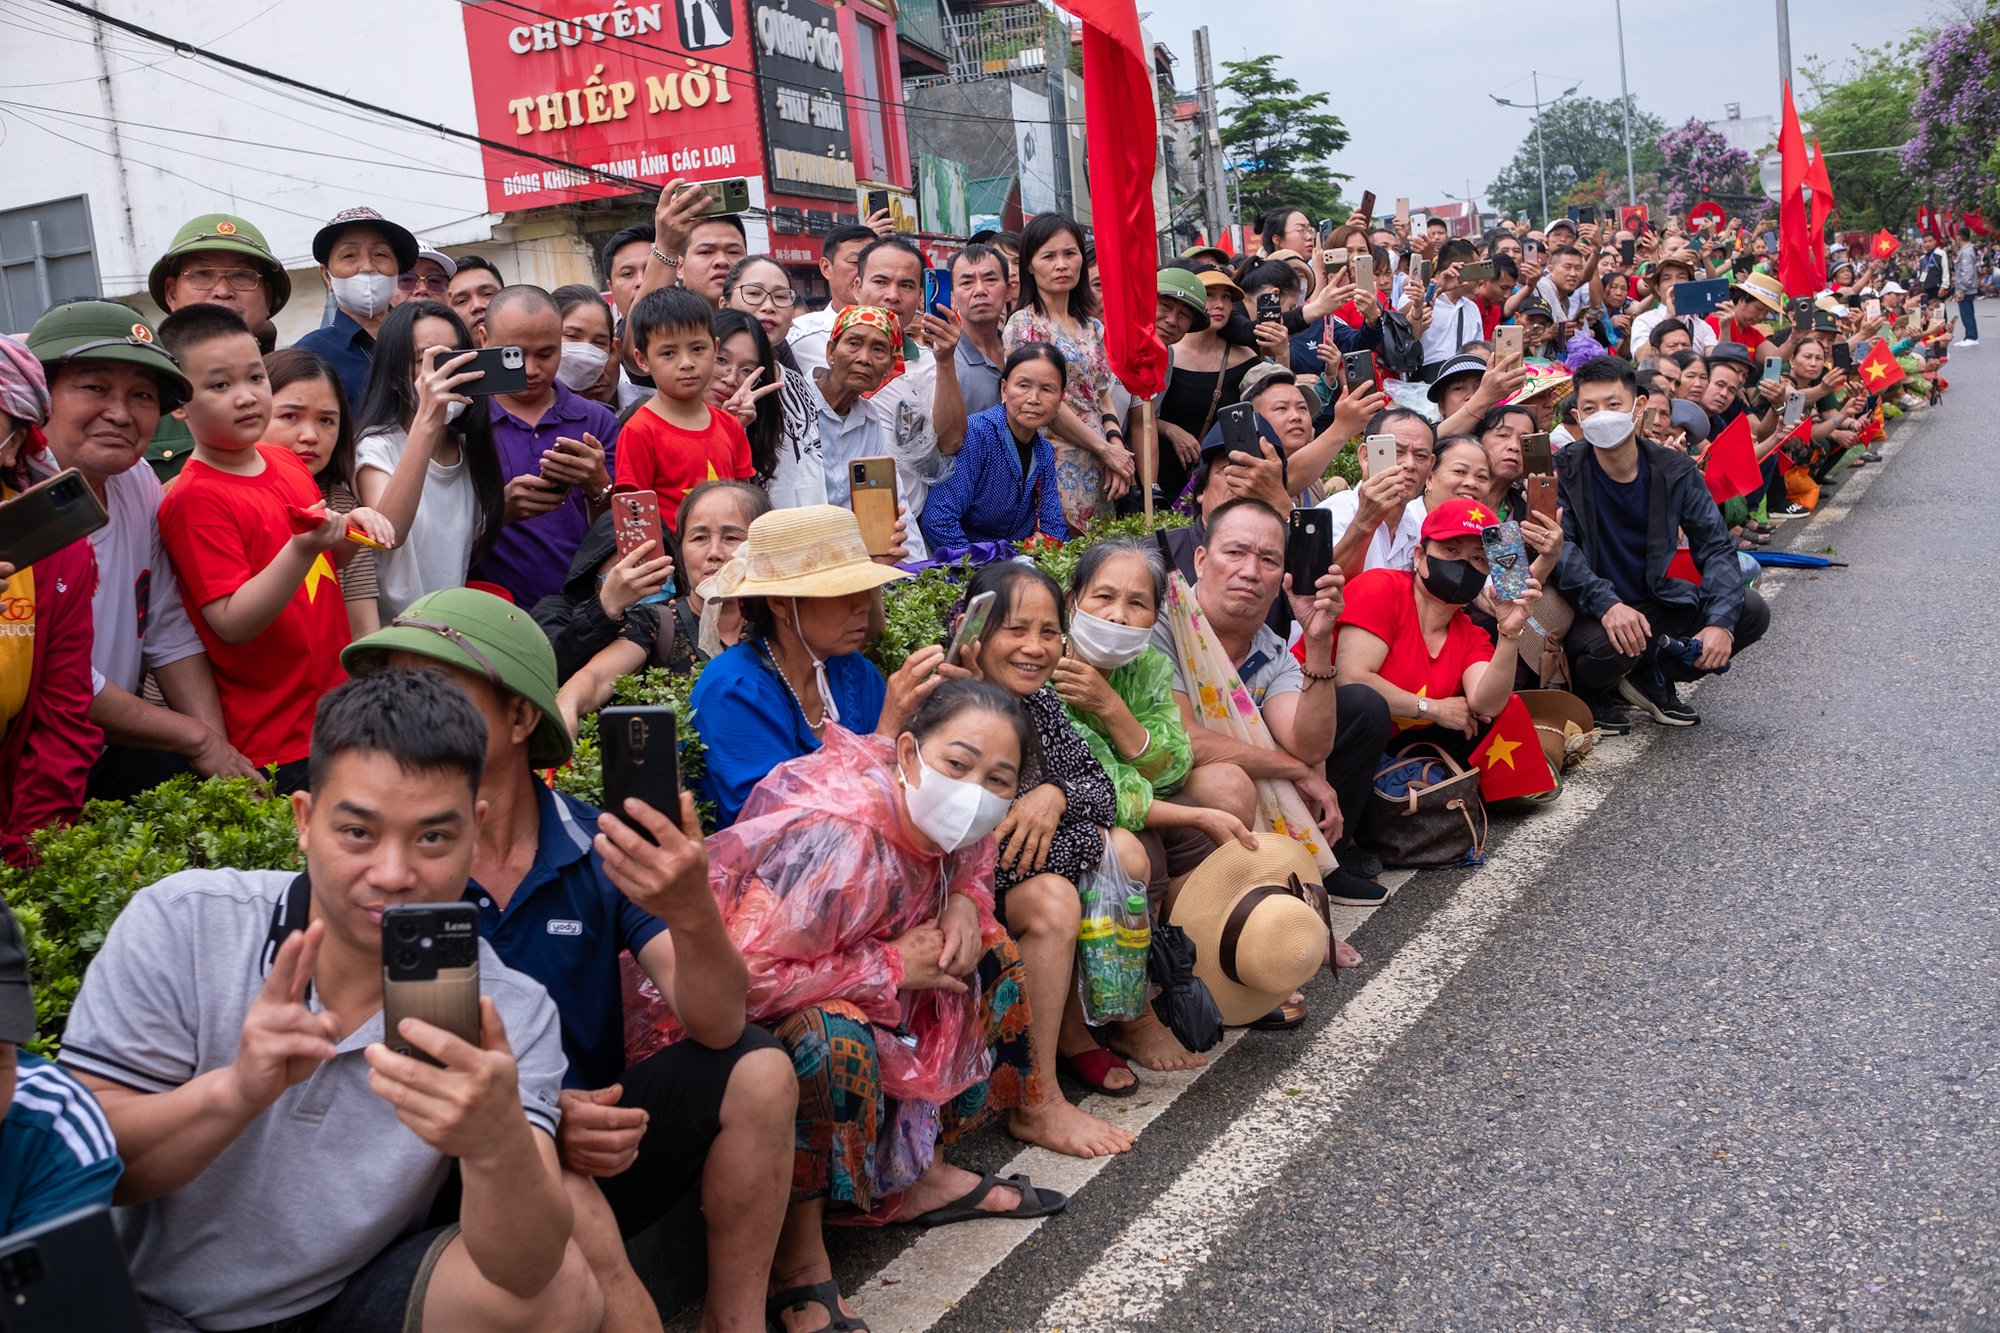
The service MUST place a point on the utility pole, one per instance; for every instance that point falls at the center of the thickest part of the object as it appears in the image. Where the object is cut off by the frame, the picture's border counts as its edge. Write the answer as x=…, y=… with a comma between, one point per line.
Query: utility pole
x=1784, y=43
x=1215, y=191
x=1625, y=102
x=1541, y=159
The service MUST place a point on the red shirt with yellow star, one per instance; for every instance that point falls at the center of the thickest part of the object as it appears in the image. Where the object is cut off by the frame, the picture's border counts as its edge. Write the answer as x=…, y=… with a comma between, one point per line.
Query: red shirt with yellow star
x=656, y=455
x=220, y=530
x=1384, y=602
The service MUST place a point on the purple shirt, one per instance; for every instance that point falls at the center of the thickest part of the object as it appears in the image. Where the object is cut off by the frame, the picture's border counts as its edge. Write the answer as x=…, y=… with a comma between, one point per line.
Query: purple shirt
x=531, y=559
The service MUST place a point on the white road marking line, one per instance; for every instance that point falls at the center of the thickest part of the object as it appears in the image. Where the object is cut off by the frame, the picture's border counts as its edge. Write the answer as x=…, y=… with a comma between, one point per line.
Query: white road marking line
x=1157, y=1252
x=1851, y=493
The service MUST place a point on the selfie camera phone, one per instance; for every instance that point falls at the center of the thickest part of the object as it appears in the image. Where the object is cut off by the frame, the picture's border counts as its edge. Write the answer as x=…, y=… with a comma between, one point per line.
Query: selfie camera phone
x=1270, y=307
x=1536, y=454
x=937, y=290
x=871, y=494
x=1357, y=369
x=501, y=369
x=430, y=970
x=642, y=761
x=635, y=520
x=1308, y=549
x=48, y=516
x=970, y=625
x=1239, y=431
x=1506, y=560
x=66, y=1275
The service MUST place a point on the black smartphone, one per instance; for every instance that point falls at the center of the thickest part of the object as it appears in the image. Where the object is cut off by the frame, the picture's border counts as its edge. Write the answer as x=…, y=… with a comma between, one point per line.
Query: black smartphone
x=1308, y=549
x=1357, y=368
x=1270, y=307
x=1843, y=357
x=1628, y=250
x=48, y=516
x=1801, y=311
x=1367, y=209
x=1239, y=431
x=68, y=1274
x=642, y=760
x=878, y=202
x=501, y=369
x=1587, y=213
x=1536, y=456
x=430, y=970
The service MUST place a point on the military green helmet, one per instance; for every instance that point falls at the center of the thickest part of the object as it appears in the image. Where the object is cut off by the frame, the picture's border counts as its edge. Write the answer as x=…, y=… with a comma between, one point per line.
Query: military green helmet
x=229, y=235
x=107, y=331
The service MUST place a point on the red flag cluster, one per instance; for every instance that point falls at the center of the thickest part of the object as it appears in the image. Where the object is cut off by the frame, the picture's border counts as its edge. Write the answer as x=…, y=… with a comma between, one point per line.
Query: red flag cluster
x=1801, y=228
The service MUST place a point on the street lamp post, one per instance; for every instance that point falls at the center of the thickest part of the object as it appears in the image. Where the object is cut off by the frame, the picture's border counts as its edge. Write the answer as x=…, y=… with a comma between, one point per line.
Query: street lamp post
x=1541, y=159
x=1625, y=103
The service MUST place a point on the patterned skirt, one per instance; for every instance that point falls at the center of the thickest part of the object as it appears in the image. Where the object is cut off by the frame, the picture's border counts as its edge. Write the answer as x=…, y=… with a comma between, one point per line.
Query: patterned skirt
x=852, y=1143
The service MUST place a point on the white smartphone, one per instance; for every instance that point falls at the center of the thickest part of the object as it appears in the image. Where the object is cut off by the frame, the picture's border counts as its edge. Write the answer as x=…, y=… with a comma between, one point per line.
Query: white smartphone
x=1795, y=408
x=1381, y=454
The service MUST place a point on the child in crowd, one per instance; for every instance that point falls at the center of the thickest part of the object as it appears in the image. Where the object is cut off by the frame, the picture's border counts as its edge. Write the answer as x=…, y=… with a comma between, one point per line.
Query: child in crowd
x=676, y=440
x=254, y=547
x=309, y=416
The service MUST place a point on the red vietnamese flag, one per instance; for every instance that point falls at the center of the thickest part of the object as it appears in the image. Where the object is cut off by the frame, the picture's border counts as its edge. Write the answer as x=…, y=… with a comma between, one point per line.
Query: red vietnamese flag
x=1121, y=125
x=1885, y=244
x=1801, y=434
x=1879, y=372
x=1795, y=261
x=1510, y=759
x=1977, y=222
x=1731, y=462
x=1822, y=206
x=1682, y=567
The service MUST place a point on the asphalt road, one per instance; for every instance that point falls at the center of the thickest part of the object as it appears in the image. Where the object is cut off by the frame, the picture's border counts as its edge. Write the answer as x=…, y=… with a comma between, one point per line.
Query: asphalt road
x=1709, y=1045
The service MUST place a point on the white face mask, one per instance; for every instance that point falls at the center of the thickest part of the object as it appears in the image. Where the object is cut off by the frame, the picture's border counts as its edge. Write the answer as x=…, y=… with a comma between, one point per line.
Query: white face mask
x=366, y=294
x=952, y=812
x=1106, y=644
x=1608, y=430
x=453, y=411
x=582, y=365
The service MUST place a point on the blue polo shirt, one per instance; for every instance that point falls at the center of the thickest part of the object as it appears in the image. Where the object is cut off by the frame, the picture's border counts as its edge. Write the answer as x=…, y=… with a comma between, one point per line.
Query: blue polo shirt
x=56, y=1149
x=351, y=350
x=565, y=926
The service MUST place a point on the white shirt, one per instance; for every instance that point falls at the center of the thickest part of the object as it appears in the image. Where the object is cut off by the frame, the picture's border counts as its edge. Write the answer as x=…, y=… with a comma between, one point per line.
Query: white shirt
x=436, y=551
x=137, y=619
x=1643, y=326
x=1565, y=309
x=808, y=338
x=871, y=430
x=1453, y=324
x=1387, y=549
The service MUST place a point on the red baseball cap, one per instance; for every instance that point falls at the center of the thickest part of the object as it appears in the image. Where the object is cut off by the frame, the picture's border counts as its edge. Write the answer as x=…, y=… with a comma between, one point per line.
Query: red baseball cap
x=1457, y=518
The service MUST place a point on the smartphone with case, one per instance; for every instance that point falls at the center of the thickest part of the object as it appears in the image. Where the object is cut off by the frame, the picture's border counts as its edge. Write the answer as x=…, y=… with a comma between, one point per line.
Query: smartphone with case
x=1506, y=560
x=501, y=370
x=1308, y=549
x=1239, y=431
x=1403, y=211
x=642, y=761
x=1801, y=311
x=635, y=520
x=1541, y=490
x=970, y=625
x=1364, y=272
x=1477, y=271
x=430, y=970
x=1536, y=454
x=48, y=516
x=937, y=290
x=1871, y=308
x=1357, y=369
x=1795, y=408
x=871, y=487
x=1774, y=368
x=1628, y=250
x=1334, y=259
x=878, y=202
x=1367, y=209
x=67, y=1275
x=1507, y=341
x=1270, y=307
x=733, y=195
x=1698, y=298
x=1420, y=270
x=1586, y=215
x=1381, y=452
x=1843, y=357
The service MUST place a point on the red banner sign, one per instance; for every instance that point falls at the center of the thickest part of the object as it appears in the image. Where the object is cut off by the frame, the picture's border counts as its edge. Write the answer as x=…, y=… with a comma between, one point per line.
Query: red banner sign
x=648, y=91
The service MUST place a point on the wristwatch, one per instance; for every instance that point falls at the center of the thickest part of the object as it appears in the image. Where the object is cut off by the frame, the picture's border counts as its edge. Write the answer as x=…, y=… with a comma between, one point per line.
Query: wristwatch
x=1424, y=706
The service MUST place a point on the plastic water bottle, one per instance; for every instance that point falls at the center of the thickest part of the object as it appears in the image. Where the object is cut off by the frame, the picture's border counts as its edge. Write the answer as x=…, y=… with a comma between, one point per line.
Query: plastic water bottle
x=1101, y=975
x=1135, y=945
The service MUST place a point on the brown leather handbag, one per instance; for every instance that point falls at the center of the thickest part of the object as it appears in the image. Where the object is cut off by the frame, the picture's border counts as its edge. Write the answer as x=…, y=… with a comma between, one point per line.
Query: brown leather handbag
x=1430, y=811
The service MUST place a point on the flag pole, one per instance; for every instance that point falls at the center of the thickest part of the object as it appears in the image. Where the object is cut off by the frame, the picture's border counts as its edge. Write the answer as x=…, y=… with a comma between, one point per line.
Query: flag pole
x=1148, y=441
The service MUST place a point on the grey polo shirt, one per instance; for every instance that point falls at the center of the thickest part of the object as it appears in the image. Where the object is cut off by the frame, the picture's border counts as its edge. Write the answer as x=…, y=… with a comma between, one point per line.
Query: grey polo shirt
x=326, y=1177
x=1272, y=668
x=978, y=378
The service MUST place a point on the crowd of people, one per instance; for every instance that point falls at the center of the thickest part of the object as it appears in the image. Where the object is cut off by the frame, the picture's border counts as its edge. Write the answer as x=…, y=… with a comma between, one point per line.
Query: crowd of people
x=347, y=572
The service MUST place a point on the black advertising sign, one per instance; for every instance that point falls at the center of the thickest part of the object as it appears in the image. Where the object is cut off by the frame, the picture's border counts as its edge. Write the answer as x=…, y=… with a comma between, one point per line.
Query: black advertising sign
x=800, y=60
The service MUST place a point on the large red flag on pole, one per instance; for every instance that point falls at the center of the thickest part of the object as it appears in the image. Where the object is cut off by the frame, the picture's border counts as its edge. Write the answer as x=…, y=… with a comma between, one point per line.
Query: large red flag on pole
x=1822, y=205
x=1795, y=261
x=1121, y=128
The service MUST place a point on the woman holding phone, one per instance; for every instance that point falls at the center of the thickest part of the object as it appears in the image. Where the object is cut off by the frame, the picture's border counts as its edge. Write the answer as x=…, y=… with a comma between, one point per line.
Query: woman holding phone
x=423, y=460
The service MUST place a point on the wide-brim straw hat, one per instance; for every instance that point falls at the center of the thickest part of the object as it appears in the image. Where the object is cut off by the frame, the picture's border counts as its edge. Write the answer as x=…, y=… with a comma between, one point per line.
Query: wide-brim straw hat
x=1563, y=724
x=1256, y=940
x=810, y=551
x=1762, y=288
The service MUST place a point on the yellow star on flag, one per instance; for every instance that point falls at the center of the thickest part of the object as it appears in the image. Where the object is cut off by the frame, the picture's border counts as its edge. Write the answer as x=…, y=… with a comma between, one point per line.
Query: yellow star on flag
x=1875, y=371
x=1501, y=751
x=322, y=568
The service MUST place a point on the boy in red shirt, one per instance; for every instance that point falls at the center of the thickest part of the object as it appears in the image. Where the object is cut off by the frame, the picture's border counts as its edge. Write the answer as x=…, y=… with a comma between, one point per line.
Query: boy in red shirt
x=676, y=441
x=271, y=613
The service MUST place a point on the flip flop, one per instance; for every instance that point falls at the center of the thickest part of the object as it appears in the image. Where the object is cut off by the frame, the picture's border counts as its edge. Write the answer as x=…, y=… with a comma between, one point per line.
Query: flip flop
x=1285, y=1017
x=1091, y=1066
x=827, y=1294
x=1034, y=1203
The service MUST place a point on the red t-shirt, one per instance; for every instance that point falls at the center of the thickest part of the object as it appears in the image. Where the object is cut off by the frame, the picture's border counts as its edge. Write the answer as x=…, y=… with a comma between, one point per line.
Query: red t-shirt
x=221, y=530
x=1749, y=337
x=1384, y=602
x=656, y=455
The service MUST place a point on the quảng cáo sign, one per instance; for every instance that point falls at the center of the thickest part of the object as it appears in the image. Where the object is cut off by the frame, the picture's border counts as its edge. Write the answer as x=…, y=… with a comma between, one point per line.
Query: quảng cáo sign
x=647, y=91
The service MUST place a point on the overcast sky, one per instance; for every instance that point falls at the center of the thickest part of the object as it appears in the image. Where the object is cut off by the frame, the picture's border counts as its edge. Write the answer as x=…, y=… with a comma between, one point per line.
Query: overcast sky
x=1420, y=123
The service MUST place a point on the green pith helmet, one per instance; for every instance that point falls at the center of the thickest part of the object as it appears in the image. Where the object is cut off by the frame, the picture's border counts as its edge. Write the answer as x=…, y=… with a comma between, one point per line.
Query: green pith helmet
x=107, y=331
x=1186, y=288
x=230, y=235
x=488, y=636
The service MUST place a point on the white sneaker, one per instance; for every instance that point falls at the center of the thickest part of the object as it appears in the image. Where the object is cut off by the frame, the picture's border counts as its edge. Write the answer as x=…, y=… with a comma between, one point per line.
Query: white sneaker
x=1966, y=342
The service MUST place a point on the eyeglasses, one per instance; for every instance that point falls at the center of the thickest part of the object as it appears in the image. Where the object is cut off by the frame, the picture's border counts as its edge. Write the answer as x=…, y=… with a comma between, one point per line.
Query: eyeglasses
x=208, y=279
x=782, y=297
x=417, y=282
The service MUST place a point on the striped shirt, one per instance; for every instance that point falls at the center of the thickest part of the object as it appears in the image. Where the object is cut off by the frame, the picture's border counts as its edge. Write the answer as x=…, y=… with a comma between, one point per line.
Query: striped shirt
x=56, y=1149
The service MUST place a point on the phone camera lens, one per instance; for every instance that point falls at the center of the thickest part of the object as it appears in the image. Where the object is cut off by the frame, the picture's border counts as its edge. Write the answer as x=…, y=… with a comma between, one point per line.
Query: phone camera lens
x=424, y=943
x=860, y=473
x=406, y=958
x=406, y=930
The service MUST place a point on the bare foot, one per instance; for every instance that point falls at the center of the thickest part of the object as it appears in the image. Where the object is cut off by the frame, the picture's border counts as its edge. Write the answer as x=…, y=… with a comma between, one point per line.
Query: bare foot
x=1147, y=1040
x=945, y=1183
x=1344, y=954
x=1060, y=1127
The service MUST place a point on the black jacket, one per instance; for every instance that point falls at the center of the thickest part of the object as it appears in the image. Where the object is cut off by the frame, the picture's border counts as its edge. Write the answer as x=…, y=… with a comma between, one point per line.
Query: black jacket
x=1677, y=501
x=574, y=619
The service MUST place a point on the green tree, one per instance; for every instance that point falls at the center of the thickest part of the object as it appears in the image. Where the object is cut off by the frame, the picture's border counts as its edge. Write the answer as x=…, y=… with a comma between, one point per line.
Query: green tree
x=1280, y=138
x=1866, y=103
x=1583, y=141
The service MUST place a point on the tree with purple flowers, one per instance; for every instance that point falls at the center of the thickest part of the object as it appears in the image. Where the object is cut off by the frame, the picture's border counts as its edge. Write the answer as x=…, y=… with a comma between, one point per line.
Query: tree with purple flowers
x=1699, y=161
x=1957, y=116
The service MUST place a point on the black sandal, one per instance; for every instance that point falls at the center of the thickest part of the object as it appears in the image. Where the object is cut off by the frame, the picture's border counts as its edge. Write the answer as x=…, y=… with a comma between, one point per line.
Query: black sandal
x=1282, y=1019
x=1034, y=1203
x=826, y=1294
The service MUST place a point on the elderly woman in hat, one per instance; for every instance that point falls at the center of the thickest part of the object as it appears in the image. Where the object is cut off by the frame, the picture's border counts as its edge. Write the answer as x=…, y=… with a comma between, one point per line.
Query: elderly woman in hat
x=805, y=586
x=47, y=740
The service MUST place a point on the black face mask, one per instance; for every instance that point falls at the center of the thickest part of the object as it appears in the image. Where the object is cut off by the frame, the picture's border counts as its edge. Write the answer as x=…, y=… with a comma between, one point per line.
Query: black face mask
x=1454, y=581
